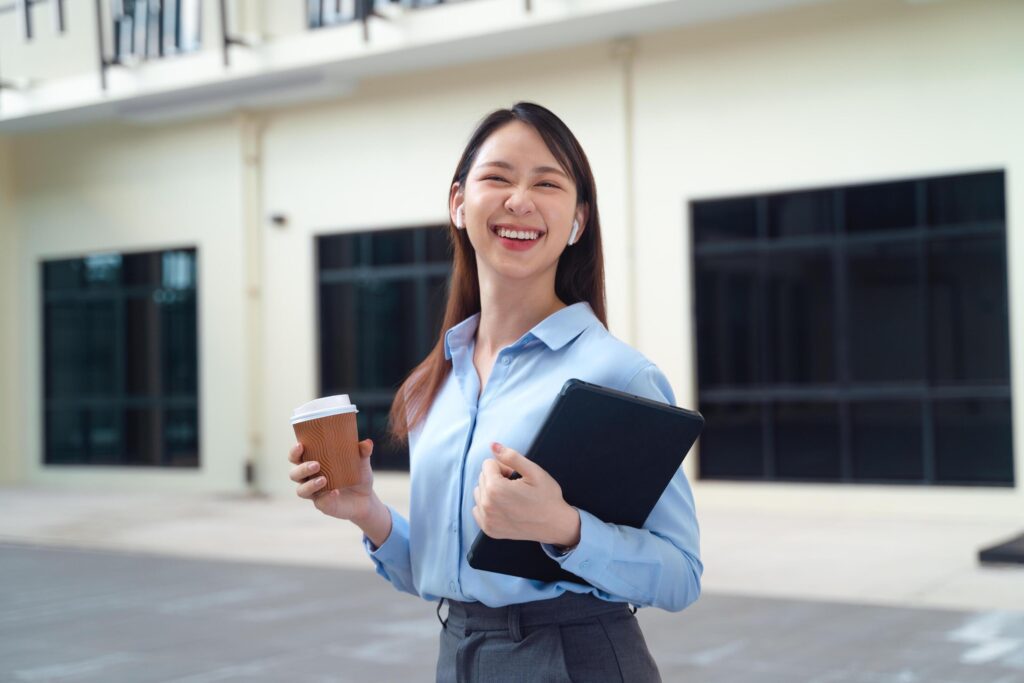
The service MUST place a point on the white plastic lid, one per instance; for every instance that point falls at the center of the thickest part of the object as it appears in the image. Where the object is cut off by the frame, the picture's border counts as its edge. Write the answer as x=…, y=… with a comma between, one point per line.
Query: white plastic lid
x=322, y=407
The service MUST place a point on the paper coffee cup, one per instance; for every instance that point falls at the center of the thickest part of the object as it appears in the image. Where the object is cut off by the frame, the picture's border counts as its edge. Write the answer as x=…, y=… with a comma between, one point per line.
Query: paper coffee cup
x=326, y=428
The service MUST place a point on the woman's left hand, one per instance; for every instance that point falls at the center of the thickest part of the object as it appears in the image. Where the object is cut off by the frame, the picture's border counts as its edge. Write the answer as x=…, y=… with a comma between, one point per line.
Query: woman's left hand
x=527, y=509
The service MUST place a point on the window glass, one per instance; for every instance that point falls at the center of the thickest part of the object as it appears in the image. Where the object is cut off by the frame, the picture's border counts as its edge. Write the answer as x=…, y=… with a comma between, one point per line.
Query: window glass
x=115, y=348
x=801, y=213
x=439, y=249
x=59, y=275
x=801, y=317
x=729, y=337
x=968, y=311
x=382, y=302
x=886, y=441
x=181, y=437
x=882, y=206
x=886, y=313
x=724, y=220
x=966, y=199
x=731, y=445
x=973, y=442
x=393, y=246
x=807, y=441
x=80, y=353
x=341, y=251
x=882, y=298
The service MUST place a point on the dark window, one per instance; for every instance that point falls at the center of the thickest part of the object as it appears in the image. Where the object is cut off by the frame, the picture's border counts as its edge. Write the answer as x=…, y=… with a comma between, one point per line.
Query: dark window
x=885, y=313
x=731, y=446
x=148, y=29
x=883, y=206
x=856, y=334
x=120, y=360
x=886, y=441
x=973, y=441
x=726, y=300
x=800, y=213
x=382, y=302
x=807, y=441
x=800, y=317
x=320, y=13
x=968, y=311
x=725, y=221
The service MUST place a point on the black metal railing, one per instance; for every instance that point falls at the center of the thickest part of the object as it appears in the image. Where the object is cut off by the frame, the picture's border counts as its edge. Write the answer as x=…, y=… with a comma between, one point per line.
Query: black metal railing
x=151, y=29
x=26, y=7
x=324, y=13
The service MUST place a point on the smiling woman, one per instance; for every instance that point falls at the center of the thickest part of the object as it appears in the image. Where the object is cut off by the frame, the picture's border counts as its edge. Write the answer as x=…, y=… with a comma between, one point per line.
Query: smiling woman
x=525, y=313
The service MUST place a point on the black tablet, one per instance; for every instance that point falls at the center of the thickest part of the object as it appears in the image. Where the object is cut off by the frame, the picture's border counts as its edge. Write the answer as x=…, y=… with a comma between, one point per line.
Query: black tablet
x=612, y=453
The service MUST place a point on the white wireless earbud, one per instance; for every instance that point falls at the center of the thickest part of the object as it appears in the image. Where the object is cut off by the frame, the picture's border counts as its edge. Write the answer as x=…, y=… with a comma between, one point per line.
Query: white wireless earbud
x=459, y=218
x=575, y=229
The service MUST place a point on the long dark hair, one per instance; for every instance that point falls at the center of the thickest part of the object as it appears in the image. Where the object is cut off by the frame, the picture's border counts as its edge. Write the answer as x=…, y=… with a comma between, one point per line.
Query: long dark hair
x=579, y=276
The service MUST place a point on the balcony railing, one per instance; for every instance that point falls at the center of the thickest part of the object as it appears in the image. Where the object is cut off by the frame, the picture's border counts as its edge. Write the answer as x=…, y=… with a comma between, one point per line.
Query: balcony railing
x=321, y=13
x=148, y=29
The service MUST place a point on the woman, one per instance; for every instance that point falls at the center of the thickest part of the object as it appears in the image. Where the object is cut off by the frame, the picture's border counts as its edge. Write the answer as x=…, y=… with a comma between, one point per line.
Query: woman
x=526, y=312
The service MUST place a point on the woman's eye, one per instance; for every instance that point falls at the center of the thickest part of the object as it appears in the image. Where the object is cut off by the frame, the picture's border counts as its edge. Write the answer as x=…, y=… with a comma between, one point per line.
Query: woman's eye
x=495, y=177
x=548, y=184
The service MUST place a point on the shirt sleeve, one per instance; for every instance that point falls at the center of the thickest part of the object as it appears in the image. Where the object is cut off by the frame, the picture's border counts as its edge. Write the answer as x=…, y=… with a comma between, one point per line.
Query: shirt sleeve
x=391, y=558
x=657, y=565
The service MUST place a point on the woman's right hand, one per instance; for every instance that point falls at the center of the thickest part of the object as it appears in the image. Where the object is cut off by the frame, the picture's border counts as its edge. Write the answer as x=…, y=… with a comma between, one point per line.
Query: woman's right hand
x=355, y=503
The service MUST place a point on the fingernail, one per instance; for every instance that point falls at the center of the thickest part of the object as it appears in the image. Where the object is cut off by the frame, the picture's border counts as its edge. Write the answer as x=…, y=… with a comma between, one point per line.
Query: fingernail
x=312, y=466
x=321, y=480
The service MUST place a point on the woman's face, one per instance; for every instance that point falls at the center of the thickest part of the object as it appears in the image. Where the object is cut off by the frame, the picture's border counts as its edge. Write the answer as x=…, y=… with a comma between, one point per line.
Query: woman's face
x=517, y=186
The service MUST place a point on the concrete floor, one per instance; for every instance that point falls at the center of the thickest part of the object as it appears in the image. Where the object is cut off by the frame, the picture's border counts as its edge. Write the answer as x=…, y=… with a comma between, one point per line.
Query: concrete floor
x=853, y=549
x=186, y=587
x=105, y=616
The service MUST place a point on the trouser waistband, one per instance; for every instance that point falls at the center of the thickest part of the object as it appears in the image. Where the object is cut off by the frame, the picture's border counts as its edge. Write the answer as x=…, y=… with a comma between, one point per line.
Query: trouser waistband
x=566, y=608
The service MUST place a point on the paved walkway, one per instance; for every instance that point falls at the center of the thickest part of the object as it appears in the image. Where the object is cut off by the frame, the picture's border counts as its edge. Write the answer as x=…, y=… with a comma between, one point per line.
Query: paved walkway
x=107, y=617
x=848, y=553
x=197, y=588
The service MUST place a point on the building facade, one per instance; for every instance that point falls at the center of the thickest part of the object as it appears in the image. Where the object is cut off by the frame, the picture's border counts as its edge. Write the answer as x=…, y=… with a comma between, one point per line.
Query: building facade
x=808, y=215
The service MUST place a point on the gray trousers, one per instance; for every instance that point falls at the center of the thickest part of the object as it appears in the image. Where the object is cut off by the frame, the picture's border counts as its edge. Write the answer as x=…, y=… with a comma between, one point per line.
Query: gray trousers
x=569, y=639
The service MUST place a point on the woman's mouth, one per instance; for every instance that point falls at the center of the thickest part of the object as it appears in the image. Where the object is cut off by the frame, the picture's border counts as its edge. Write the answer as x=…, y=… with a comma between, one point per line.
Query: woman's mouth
x=516, y=238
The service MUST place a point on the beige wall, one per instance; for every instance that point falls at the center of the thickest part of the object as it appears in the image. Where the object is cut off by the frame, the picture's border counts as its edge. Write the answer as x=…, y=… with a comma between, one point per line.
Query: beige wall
x=122, y=188
x=384, y=159
x=837, y=94
x=10, y=410
x=815, y=97
x=74, y=53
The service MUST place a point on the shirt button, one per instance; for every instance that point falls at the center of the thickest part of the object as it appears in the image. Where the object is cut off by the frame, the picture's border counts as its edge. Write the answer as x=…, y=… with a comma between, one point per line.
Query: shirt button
x=584, y=564
x=451, y=586
x=455, y=528
x=506, y=360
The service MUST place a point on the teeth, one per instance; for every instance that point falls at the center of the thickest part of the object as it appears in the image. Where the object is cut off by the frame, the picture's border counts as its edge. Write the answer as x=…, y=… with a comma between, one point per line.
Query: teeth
x=518, y=234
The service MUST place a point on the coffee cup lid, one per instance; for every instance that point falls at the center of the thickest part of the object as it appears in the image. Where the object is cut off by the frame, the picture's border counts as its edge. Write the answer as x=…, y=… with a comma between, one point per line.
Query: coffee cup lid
x=322, y=407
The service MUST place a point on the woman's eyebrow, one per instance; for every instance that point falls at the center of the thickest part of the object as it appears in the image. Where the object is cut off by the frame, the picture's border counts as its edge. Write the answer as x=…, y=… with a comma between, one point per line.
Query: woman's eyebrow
x=538, y=169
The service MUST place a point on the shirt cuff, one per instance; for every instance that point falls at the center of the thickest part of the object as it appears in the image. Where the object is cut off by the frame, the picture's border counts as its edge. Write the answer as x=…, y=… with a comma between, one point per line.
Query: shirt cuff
x=594, y=551
x=395, y=545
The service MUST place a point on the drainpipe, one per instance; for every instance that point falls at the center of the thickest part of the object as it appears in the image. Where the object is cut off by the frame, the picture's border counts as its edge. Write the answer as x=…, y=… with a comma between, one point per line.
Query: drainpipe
x=251, y=127
x=623, y=51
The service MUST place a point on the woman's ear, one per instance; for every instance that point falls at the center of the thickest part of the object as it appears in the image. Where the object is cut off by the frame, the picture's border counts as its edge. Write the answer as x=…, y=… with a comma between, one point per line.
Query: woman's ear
x=455, y=209
x=582, y=217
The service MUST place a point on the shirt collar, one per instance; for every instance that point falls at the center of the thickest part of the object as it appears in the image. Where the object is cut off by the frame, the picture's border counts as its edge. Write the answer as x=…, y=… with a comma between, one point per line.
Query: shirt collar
x=556, y=330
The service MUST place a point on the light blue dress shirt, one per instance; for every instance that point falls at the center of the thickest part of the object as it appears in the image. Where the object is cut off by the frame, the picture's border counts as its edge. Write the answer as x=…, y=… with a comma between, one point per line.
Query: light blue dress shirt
x=657, y=565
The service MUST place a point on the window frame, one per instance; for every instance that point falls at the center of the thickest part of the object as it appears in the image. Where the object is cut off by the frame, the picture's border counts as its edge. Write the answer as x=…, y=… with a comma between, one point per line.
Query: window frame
x=844, y=392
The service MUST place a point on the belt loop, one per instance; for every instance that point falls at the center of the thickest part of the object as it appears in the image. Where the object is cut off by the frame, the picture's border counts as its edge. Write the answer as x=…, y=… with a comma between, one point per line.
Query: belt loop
x=444, y=622
x=514, y=630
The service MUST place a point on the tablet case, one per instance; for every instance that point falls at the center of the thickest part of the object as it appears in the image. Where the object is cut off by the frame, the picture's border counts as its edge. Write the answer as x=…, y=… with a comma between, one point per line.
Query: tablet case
x=612, y=453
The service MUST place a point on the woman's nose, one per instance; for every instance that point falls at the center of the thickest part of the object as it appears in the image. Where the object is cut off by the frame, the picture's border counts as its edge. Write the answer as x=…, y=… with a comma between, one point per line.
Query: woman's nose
x=519, y=202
